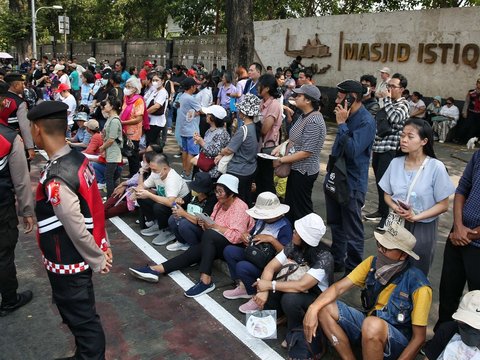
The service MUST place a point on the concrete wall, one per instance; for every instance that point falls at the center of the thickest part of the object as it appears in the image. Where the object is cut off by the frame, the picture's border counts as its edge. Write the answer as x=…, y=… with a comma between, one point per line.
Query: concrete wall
x=424, y=70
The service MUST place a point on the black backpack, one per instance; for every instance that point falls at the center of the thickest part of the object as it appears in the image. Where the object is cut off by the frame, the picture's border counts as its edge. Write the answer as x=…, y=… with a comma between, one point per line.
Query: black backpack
x=299, y=349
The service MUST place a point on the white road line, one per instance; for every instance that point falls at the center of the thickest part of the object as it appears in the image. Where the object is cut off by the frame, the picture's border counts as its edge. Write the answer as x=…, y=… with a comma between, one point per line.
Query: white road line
x=258, y=347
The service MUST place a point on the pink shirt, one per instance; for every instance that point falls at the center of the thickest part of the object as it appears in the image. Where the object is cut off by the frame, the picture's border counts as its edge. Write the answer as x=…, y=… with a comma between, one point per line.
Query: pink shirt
x=272, y=108
x=235, y=219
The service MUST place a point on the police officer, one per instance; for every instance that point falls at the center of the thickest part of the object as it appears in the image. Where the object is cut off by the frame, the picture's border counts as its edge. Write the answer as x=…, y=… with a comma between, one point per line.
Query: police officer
x=71, y=229
x=14, y=110
x=14, y=180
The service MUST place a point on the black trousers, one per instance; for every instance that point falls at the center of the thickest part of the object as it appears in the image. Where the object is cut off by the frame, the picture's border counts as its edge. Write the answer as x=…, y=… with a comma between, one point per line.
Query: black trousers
x=210, y=248
x=380, y=162
x=134, y=160
x=154, y=135
x=8, y=241
x=245, y=187
x=264, y=176
x=155, y=211
x=299, y=194
x=460, y=266
x=75, y=300
x=293, y=305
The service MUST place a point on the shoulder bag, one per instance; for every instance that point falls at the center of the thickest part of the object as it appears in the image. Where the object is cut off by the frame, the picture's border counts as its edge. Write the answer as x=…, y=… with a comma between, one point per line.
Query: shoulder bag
x=384, y=128
x=336, y=182
x=223, y=163
x=160, y=110
x=259, y=254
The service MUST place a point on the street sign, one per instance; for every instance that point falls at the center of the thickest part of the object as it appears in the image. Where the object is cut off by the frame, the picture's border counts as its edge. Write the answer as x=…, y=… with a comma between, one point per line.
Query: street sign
x=63, y=24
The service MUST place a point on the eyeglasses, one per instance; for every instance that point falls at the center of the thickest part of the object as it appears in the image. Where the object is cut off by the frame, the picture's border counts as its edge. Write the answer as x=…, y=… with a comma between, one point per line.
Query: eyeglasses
x=219, y=192
x=382, y=248
x=391, y=86
x=449, y=103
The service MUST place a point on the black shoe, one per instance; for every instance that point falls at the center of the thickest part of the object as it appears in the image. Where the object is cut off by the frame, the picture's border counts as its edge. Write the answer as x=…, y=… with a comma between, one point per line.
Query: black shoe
x=381, y=225
x=376, y=216
x=22, y=299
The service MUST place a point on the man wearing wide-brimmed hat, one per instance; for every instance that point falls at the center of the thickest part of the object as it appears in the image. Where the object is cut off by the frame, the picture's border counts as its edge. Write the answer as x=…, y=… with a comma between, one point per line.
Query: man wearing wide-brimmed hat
x=396, y=298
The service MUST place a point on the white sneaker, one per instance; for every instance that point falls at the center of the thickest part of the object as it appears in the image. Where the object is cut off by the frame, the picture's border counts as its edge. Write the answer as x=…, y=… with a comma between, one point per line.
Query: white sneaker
x=150, y=223
x=164, y=237
x=177, y=246
x=152, y=230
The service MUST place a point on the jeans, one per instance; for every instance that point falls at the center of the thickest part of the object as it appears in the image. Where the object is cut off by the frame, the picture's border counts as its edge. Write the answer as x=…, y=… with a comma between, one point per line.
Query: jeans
x=380, y=162
x=241, y=269
x=185, y=232
x=351, y=320
x=347, y=230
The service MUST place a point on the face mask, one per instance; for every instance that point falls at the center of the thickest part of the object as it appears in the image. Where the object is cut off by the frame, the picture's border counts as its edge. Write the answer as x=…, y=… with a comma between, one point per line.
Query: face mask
x=127, y=92
x=155, y=84
x=104, y=82
x=383, y=260
x=194, y=193
x=470, y=336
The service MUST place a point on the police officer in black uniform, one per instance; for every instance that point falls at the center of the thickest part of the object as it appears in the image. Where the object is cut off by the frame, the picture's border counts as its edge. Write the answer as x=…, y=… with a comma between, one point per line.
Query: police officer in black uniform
x=14, y=180
x=71, y=229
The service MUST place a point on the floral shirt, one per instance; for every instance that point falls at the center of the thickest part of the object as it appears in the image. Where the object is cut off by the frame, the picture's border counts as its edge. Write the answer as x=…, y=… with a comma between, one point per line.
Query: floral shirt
x=234, y=218
x=215, y=140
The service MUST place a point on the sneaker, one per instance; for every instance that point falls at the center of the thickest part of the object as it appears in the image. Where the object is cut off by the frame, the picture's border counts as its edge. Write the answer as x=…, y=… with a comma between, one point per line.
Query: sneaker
x=145, y=273
x=23, y=298
x=376, y=216
x=170, y=132
x=101, y=186
x=441, y=141
x=199, y=289
x=238, y=293
x=177, y=246
x=148, y=223
x=249, y=307
x=186, y=177
x=164, y=237
x=152, y=230
x=381, y=225
x=176, y=156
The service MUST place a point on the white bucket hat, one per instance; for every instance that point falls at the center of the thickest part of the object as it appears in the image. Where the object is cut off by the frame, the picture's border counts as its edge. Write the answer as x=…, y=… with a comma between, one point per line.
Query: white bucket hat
x=229, y=181
x=311, y=229
x=469, y=310
x=397, y=237
x=216, y=110
x=268, y=206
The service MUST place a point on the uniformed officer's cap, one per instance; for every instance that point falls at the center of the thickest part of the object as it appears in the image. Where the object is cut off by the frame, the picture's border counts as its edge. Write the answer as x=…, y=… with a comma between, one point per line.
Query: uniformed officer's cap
x=48, y=110
x=14, y=76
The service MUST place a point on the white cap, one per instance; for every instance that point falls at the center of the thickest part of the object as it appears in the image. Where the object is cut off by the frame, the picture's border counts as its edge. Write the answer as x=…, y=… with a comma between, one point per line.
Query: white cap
x=311, y=229
x=216, y=110
x=468, y=311
x=229, y=181
x=385, y=70
x=57, y=68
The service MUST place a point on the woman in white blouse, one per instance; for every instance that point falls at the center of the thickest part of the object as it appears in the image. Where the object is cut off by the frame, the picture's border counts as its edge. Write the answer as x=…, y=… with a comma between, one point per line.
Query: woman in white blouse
x=447, y=119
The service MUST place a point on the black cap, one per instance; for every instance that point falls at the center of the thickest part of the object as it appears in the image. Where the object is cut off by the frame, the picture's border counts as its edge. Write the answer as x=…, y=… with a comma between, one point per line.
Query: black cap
x=202, y=183
x=188, y=83
x=48, y=110
x=14, y=76
x=350, y=86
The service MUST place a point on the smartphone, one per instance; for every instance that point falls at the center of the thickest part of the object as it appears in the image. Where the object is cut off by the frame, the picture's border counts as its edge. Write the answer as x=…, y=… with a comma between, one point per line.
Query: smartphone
x=350, y=100
x=403, y=205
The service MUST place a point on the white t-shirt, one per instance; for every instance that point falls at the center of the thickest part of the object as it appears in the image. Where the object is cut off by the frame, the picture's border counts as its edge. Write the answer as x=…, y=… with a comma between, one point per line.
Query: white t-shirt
x=72, y=106
x=64, y=79
x=205, y=97
x=172, y=186
x=159, y=97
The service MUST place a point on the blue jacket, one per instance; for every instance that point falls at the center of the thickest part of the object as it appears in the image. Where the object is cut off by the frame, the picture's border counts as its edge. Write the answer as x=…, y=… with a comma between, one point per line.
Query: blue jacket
x=398, y=311
x=357, y=135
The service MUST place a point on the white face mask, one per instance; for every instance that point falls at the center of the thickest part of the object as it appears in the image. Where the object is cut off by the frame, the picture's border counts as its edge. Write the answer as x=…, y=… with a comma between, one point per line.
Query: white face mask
x=127, y=92
x=156, y=84
x=104, y=82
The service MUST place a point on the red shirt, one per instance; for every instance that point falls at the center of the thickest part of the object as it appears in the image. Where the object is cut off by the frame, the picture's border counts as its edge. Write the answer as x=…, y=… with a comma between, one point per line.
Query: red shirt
x=94, y=144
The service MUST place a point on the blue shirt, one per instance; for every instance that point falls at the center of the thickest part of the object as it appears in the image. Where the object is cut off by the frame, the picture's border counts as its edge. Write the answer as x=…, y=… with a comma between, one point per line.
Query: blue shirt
x=432, y=186
x=82, y=136
x=186, y=118
x=469, y=186
x=357, y=135
x=251, y=87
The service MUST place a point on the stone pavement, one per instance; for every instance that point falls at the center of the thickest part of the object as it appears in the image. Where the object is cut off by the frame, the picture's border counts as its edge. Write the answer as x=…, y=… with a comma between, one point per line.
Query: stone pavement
x=155, y=321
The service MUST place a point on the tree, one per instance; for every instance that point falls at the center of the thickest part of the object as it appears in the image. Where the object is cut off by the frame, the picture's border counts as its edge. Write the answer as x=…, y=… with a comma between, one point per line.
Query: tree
x=240, y=36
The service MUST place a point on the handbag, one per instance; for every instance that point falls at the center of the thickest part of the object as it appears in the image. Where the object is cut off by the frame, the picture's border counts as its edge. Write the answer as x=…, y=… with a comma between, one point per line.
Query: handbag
x=384, y=128
x=204, y=162
x=336, y=183
x=128, y=147
x=283, y=170
x=292, y=271
x=260, y=254
x=223, y=163
x=268, y=149
x=160, y=110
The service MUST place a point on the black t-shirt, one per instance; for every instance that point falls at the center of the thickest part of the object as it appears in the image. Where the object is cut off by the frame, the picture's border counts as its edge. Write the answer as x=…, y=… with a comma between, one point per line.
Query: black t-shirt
x=434, y=347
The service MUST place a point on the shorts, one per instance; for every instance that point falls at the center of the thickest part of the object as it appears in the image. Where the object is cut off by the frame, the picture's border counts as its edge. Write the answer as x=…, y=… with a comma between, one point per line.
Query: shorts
x=351, y=320
x=189, y=146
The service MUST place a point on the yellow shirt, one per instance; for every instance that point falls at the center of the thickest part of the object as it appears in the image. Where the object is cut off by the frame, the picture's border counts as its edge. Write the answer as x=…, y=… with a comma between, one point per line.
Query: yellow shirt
x=422, y=297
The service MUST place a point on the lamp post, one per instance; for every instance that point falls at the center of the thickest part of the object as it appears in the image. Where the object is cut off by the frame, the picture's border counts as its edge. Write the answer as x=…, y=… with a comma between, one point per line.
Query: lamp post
x=34, y=24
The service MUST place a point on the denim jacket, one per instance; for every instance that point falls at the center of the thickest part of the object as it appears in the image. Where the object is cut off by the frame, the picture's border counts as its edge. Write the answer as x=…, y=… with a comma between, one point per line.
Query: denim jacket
x=399, y=307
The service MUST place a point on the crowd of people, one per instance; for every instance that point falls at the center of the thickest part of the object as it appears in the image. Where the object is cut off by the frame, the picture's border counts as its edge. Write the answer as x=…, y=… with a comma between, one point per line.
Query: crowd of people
x=250, y=145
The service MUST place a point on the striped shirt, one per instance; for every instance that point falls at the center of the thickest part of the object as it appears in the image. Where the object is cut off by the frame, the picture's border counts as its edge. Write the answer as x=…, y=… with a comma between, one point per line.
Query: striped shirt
x=308, y=134
x=397, y=112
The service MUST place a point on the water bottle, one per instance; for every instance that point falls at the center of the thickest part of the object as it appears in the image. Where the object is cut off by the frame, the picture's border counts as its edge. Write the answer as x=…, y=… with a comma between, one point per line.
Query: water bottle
x=177, y=218
x=415, y=202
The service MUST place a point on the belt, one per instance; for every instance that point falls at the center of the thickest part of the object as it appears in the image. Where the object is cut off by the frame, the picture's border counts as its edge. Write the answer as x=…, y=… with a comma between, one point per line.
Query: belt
x=65, y=269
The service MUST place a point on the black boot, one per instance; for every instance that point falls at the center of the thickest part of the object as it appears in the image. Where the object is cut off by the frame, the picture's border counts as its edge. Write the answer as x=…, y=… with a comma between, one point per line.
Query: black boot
x=22, y=299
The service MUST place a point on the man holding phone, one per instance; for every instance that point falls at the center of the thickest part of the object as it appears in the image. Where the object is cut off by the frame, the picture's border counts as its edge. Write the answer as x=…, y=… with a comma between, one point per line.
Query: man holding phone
x=385, y=148
x=355, y=135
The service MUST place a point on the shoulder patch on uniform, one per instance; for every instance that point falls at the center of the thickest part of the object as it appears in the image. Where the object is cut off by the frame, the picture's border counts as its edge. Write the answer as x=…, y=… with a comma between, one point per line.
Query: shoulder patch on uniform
x=53, y=193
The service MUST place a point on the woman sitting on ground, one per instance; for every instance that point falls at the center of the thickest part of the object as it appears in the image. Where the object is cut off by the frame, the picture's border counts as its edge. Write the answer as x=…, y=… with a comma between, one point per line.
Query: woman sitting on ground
x=446, y=120
x=184, y=223
x=230, y=221
x=293, y=295
x=270, y=228
x=216, y=138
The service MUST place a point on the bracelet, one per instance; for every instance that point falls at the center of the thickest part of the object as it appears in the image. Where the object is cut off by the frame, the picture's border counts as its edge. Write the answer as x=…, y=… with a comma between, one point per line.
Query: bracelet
x=274, y=284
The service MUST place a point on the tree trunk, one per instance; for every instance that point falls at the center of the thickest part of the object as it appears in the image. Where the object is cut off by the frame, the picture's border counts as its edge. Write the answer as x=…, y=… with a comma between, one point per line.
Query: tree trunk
x=240, y=34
